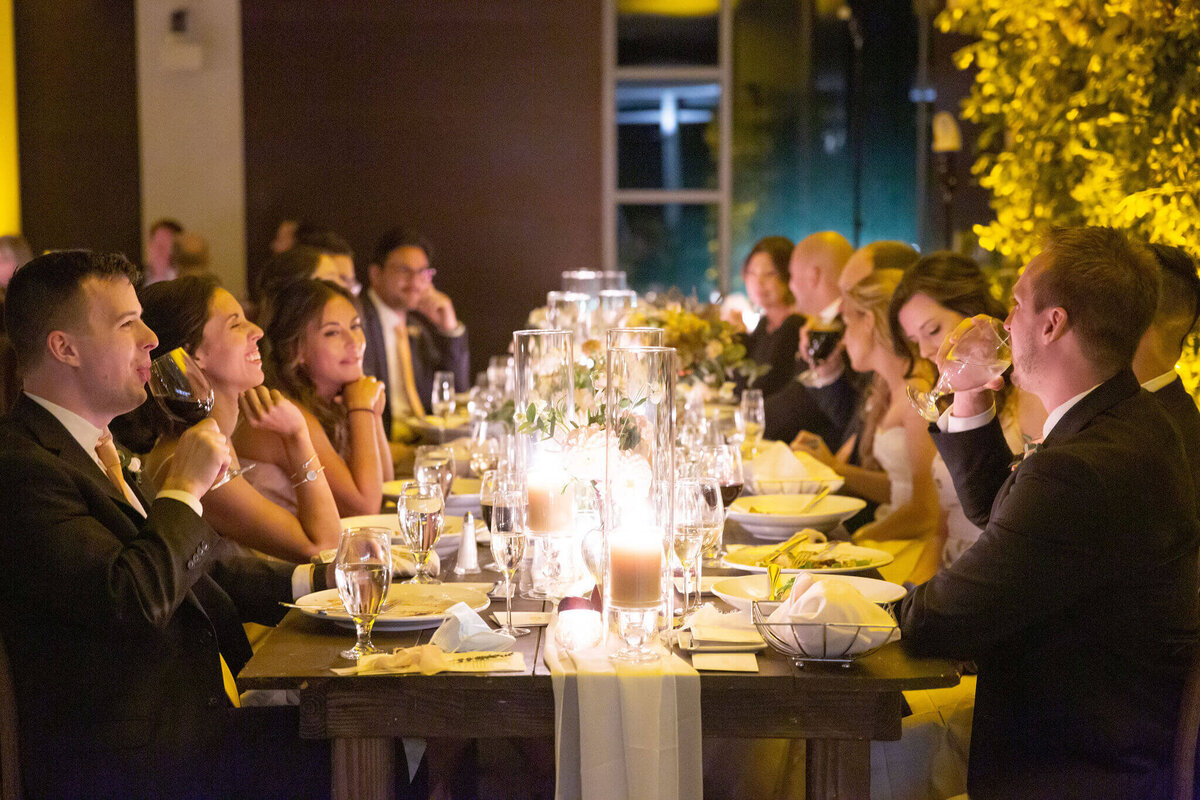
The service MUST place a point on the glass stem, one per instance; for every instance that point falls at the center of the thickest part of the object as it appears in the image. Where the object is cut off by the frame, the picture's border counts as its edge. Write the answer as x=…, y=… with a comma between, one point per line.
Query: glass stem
x=508, y=623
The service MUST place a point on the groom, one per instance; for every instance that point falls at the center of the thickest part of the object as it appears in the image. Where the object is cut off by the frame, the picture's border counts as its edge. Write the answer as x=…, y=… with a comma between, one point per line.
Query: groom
x=1078, y=601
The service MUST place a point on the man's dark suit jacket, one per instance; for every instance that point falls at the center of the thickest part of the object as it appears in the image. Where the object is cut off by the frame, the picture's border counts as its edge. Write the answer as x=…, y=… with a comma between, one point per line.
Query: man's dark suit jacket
x=829, y=411
x=1181, y=408
x=431, y=349
x=1078, y=601
x=112, y=622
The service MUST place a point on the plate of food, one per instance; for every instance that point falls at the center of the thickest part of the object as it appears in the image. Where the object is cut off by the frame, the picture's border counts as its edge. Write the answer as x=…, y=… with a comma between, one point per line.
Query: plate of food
x=778, y=516
x=742, y=590
x=407, y=607
x=445, y=545
x=810, y=557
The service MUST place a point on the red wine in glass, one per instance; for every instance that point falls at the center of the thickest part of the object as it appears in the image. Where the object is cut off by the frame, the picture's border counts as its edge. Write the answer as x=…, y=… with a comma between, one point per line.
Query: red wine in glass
x=487, y=514
x=188, y=410
x=823, y=340
x=730, y=492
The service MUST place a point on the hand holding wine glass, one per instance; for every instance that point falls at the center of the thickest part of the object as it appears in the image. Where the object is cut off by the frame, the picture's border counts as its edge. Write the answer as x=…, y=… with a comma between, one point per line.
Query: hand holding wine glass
x=821, y=346
x=201, y=457
x=363, y=570
x=972, y=359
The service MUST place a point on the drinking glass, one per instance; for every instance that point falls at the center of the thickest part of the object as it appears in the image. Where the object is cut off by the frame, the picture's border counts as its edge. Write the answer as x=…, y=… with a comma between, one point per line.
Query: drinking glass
x=442, y=400
x=722, y=463
x=823, y=337
x=979, y=352
x=499, y=374
x=435, y=464
x=754, y=416
x=484, y=451
x=183, y=392
x=699, y=517
x=508, y=544
x=422, y=513
x=363, y=571
x=726, y=425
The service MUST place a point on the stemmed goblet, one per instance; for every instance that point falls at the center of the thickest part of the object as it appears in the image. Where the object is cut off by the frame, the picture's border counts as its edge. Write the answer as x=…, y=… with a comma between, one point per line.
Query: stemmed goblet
x=978, y=351
x=441, y=403
x=722, y=463
x=363, y=571
x=754, y=416
x=422, y=513
x=435, y=464
x=508, y=544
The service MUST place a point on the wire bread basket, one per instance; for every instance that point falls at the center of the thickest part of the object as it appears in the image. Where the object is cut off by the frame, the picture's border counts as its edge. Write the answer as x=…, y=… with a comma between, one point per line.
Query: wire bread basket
x=827, y=642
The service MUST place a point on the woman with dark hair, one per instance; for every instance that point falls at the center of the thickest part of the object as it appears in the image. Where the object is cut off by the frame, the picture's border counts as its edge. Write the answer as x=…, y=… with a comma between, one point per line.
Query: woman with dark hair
x=195, y=313
x=299, y=263
x=314, y=356
x=933, y=297
x=774, y=341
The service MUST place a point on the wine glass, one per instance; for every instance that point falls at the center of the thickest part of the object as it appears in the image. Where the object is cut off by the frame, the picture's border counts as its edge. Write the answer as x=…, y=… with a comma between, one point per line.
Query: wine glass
x=363, y=571
x=442, y=400
x=754, y=416
x=435, y=464
x=508, y=544
x=727, y=425
x=699, y=517
x=183, y=392
x=979, y=352
x=422, y=513
x=822, y=339
x=722, y=463
x=484, y=451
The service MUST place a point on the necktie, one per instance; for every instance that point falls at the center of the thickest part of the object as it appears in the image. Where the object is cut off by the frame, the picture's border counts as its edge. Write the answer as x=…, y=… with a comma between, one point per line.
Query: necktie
x=404, y=351
x=107, y=452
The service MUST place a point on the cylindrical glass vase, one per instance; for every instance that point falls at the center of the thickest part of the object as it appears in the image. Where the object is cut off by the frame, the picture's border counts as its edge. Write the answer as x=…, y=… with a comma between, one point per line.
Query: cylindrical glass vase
x=639, y=494
x=633, y=337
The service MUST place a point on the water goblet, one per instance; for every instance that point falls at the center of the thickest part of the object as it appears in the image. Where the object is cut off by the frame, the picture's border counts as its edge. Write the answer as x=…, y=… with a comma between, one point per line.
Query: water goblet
x=699, y=517
x=979, y=352
x=722, y=463
x=435, y=464
x=442, y=400
x=509, y=540
x=422, y=513
x=363, y=571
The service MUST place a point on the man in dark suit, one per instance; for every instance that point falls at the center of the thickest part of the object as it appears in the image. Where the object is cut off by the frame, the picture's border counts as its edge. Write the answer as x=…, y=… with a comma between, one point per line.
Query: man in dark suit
x=401, y=298
x=1078, y=601
x=122, y=627
x=1162, y=344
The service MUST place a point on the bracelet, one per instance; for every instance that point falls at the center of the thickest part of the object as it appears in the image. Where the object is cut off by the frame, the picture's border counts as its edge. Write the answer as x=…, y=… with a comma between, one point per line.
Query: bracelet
x=361, y=408
x=308, y=472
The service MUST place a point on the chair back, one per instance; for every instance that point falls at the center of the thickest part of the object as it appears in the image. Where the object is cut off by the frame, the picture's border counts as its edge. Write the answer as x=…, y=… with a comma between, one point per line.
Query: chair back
x=10, y=764
x=1183, y=777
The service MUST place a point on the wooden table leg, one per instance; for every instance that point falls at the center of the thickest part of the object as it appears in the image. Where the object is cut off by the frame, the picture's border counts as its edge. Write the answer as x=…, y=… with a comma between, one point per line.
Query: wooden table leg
x=364, y=768
x=838, y=768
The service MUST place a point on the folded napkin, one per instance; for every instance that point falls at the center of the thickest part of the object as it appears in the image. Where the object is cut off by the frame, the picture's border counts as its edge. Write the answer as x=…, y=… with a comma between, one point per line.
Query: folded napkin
x=777, y=462
x=403, y=563
x=623, y=730
x=465, y=630
x=429, y=659
x=815, y=601
x=710, y=617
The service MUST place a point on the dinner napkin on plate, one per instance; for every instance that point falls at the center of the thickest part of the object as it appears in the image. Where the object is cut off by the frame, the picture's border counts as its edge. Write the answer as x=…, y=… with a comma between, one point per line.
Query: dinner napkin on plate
x=429, y=659
x=813, y=601
x=777, y=462
x=465, y=630
x=403, y=563
x=711, y=625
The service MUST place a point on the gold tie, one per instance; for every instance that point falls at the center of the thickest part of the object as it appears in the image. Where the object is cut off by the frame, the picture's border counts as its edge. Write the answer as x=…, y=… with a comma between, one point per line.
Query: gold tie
x=410, y=383
x=107, y=451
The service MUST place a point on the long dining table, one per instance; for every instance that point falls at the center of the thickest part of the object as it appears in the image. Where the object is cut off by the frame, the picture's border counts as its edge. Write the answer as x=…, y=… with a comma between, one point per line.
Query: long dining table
x=837, y=710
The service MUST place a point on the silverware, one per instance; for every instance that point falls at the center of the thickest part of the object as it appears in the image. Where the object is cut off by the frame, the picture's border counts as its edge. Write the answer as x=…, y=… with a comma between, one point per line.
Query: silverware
x=816, y=498
x=773, y=571
x=796, y=539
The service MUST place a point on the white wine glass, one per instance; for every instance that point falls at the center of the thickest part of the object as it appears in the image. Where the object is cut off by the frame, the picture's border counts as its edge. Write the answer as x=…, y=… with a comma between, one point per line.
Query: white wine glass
x=441, y=403
x=363, y=571
x=509, y=540
x=435, y=464
x=979, y=352
x=754, y=417
x=422, y=513
x=698, y=514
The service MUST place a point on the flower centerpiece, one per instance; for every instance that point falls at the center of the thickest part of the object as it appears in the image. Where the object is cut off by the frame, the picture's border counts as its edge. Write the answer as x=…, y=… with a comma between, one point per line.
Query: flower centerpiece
x=707, y=347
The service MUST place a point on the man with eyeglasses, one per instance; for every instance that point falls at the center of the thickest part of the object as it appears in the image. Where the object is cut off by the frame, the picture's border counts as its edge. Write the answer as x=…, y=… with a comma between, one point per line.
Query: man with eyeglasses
x=411, y=328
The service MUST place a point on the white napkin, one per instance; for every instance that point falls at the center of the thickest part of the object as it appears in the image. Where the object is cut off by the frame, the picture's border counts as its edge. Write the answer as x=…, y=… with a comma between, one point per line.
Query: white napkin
x=832, y=601
x=464, y=630
x=777, y=462
x=624, y=731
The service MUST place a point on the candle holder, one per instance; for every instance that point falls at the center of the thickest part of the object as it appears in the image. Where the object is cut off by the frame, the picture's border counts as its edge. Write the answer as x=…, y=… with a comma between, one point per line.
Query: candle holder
x=639, y=494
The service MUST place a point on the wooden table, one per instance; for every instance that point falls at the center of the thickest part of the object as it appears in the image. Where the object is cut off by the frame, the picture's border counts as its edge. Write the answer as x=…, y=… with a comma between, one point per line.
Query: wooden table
x=837, y=710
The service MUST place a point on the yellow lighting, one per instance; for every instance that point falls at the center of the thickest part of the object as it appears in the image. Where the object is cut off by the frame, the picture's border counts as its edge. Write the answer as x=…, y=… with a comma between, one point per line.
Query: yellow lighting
x=10, y=191
x=670, y=8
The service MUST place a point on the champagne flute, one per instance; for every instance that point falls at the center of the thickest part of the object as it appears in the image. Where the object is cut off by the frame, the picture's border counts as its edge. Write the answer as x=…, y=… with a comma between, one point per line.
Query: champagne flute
x=508, y=545
x=698, y=513
x=442, y=400
x=184, y=394
x=435, y=464
x=979, y=352
x=754, y=414
x=422, y=513
x=727, y=425
x=363, y=571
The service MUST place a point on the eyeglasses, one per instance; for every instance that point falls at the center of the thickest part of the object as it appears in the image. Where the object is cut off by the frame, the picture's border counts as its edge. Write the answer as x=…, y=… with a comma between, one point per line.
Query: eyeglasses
x=415, y=274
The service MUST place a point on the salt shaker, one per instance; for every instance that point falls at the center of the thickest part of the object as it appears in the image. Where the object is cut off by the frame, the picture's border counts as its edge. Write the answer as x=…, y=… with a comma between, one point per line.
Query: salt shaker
x=467, y=562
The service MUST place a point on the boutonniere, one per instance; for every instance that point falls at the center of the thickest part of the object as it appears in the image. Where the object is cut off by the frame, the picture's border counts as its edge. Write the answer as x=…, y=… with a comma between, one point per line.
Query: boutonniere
x=130, y=463
x=414, y=331
x=1031, y=447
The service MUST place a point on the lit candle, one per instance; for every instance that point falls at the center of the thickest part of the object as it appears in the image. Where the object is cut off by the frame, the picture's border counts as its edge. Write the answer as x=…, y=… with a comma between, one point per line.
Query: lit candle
x=635, y=571
x=551, y=503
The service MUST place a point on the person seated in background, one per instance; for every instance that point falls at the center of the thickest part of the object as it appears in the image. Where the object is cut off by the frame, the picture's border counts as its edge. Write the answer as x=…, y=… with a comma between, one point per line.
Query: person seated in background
x=206, y=321
x=298, y=263
x=772, y=344
x=895, y=451
x=412, y=330
x=160, y=251
x=1078, y=602
x=827, y=406
x=314, y=355
x=933, y=297
x=121, y=620
x=1161, y=346
x=340, y=266
x=14, y=254
x=285, y=235
x=190, y=256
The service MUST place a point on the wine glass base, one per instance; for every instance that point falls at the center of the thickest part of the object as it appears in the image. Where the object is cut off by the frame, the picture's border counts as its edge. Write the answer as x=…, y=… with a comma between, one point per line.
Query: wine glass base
x=355, y=652
x=423, y=579
x=514, y=632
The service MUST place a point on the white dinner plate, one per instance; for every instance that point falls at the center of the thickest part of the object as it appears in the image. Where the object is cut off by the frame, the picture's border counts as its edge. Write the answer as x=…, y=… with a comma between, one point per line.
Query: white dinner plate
x=742, y=590
x=777, y=516
x=464, y=493
x=447, y=544
x=433, y=599
x=750, y=558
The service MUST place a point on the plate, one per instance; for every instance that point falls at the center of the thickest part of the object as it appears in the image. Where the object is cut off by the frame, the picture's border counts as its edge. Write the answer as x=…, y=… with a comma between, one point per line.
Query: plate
x=433, y=430
x=447, y=544
x=409, y=597
x=741, y=591
x=464, y=494
x=810, y=486
x=748, y=558
x=778, y=516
